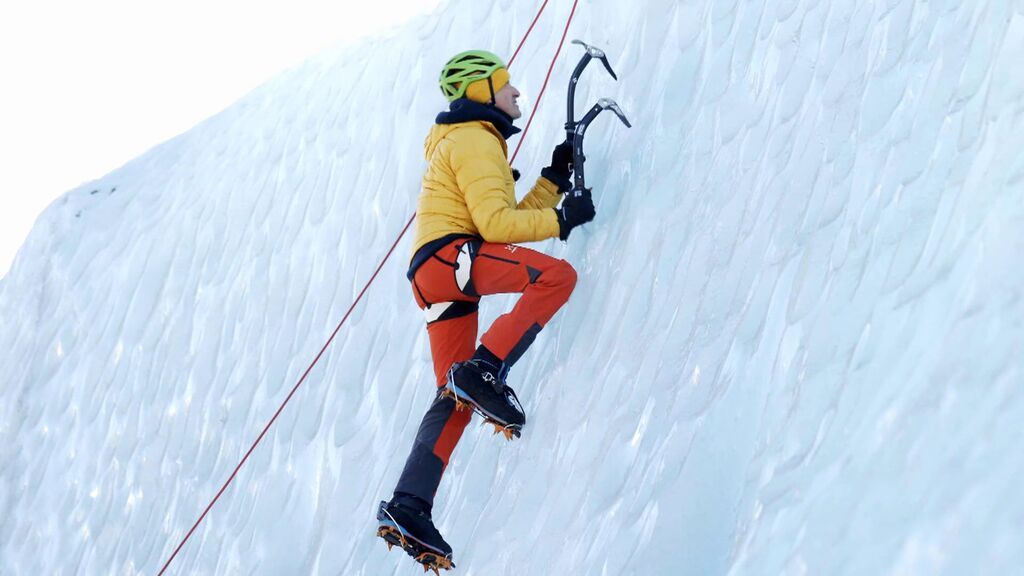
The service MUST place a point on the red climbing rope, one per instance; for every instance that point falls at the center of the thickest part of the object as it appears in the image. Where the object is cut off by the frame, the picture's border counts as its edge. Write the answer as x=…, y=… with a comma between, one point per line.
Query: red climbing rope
x=528, y=30
x=290, y=394
x=360, y=297
x=546, y=78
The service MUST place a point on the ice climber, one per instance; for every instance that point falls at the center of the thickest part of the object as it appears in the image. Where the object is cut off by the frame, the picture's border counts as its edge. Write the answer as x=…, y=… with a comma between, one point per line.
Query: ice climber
x=469, y=224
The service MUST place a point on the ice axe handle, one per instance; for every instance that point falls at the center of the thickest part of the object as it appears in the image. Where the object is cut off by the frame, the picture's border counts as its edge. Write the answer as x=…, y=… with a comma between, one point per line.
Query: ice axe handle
x=578, y=191
x=578, y=159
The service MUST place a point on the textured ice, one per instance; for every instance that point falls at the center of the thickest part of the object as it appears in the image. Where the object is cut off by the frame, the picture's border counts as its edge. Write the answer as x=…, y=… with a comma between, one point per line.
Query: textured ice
x=795, y=347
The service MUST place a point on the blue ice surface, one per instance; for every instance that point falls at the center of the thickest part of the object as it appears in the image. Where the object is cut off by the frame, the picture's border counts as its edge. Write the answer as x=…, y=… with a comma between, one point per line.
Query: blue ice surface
x=795, y=345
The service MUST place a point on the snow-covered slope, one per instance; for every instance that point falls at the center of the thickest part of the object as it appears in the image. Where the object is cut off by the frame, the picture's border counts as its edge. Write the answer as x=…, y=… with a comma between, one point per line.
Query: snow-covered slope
x=794, y=347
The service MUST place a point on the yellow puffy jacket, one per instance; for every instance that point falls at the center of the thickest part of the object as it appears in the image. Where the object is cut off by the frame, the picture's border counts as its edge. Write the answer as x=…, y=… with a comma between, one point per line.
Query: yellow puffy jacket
x=468, y=189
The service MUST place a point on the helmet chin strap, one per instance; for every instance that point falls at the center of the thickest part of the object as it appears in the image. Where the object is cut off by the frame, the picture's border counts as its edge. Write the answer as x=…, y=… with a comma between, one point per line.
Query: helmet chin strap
x=494, y=99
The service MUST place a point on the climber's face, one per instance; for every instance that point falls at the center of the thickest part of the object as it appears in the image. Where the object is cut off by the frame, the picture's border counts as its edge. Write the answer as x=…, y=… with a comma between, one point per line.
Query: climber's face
x=505, y=100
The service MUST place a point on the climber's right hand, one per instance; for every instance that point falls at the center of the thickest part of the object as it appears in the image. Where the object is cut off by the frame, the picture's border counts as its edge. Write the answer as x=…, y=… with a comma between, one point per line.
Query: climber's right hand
x=575, y=210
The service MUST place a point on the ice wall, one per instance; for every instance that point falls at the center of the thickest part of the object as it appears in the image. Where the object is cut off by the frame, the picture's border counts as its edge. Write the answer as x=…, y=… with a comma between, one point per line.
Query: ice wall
x=794, y=347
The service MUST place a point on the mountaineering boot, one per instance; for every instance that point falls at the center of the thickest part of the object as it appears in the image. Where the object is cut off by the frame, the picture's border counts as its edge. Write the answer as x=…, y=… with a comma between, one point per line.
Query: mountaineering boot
x=480, y=383
x=405, y=522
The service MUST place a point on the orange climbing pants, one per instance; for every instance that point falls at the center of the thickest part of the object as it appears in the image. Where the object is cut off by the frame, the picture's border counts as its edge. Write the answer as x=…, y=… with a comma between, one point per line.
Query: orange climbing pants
x=448, y=287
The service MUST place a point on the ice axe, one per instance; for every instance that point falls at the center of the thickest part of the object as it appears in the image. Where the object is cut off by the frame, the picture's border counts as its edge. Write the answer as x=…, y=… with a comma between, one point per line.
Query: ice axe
x=578, y=158
x=574, y=131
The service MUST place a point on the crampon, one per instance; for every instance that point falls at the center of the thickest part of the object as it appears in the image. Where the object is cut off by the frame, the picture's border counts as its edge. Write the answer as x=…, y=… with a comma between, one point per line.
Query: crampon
x=507, y=430
x=429, y=558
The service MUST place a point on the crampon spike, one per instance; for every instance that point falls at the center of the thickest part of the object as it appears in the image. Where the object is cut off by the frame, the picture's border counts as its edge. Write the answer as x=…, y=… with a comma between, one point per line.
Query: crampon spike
x=459, y=403
x=434, y=562
x=397, y=538
x=507, y=431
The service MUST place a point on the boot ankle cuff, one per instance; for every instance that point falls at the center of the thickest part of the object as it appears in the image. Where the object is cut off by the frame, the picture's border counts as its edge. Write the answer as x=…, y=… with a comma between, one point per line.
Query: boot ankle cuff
x=484, y=355
x=412, y=502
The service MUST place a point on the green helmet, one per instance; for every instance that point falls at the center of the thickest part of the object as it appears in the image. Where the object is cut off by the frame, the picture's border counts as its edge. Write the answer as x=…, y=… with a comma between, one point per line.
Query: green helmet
x=464, y=69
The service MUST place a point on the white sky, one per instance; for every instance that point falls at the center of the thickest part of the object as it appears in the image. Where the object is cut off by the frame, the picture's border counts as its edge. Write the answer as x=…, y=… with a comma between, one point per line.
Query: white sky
x=87, y=86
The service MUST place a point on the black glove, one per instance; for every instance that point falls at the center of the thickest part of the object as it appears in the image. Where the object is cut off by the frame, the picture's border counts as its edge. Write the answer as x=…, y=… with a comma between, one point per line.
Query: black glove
x=575, y=210
x=560, y=169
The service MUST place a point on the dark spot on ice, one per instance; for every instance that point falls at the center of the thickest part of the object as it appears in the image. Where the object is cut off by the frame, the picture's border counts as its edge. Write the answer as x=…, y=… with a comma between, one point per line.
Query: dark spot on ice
x=94, y=192
x=78, y=214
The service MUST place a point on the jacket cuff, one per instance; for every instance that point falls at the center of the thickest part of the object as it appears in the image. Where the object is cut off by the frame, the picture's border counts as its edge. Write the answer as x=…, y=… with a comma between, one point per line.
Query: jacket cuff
x=557, y=178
